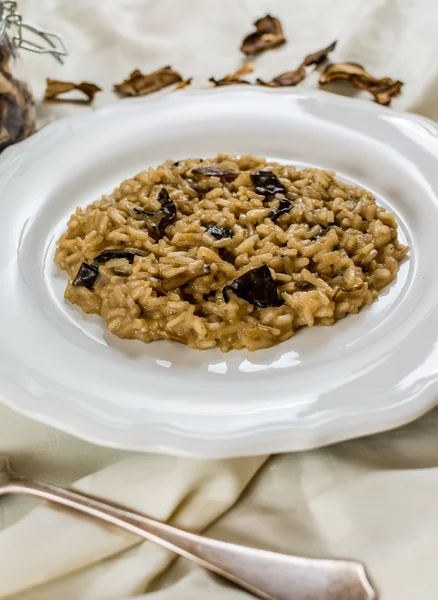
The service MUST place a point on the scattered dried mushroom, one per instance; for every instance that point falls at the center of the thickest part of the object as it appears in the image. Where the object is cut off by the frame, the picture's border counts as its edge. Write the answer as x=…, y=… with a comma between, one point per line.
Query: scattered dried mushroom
x=291, y=78
x=139, y=84
x=383, y=89
x=257, y=287
x=234, y=77
x=268, y=34
x=55, y=88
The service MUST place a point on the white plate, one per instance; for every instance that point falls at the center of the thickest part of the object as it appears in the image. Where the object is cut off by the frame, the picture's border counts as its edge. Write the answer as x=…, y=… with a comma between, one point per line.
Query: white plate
x=368, y=373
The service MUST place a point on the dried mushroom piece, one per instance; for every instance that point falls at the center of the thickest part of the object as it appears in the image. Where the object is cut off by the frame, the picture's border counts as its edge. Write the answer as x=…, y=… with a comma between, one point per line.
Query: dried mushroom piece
x=257, y=287
x=86, y=276
x=319, y=57
x=138, y=84
x=166, y=215
x=228, y=174
x=234, y=78
x=220, y=233
x=227, y=255
x=291, y=78
x=55, y=88
x=143, y=213
x=341, y=71
x=267, y=183
x=383, y=89
x=107, y=255
x=157, y=222
x=183, y=84
x=194, y=270
x=283, y=208
x=268, y=34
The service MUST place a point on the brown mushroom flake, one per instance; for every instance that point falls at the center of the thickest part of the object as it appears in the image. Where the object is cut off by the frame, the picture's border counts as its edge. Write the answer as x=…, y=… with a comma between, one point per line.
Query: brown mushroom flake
x=319, y=57
x=183, y=84
x=139, y=84
x=268, y=34
x=341, y=71
x=55, y=88
x=291, y=78
x=234, y=78
x=383, y=89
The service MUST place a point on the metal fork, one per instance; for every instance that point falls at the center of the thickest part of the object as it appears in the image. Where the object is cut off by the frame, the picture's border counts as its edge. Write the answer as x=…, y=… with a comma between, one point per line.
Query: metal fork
x=268, y=575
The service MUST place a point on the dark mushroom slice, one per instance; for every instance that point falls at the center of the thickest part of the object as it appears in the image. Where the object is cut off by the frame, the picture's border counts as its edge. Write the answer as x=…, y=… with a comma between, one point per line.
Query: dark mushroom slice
x=283, y=208
x=194, y=270
x=162, y=219
x=220, y=233
x=107, y=255
x=227, y=174
x=144, y=213
x=138, y=84
x=227, y=255
x=86, y=276
x=268, y=34
x=257, y=287
x=157, y=222
x=166, y=216
x=163, y=197
x=55, y=88
x=267, y=183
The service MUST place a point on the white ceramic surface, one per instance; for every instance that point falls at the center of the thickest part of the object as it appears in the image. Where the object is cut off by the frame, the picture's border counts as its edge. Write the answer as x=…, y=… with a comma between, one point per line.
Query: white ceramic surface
x=368, y=373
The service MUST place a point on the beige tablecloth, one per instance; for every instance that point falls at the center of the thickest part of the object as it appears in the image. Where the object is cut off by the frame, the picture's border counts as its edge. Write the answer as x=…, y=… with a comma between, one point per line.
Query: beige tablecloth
x=373, y=500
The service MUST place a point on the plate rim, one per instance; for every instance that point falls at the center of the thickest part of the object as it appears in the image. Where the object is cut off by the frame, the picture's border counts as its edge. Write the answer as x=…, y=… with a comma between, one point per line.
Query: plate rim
x=186, y=444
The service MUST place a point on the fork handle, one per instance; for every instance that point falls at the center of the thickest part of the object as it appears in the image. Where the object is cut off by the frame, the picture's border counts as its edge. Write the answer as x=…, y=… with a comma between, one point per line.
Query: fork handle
x=268, y=575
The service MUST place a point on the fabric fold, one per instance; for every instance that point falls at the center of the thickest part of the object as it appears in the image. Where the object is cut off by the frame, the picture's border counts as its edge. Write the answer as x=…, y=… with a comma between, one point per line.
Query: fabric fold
x=187, y=493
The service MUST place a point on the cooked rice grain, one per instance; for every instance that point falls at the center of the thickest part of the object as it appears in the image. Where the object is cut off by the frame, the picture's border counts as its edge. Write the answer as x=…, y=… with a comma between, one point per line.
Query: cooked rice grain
x=329, y=255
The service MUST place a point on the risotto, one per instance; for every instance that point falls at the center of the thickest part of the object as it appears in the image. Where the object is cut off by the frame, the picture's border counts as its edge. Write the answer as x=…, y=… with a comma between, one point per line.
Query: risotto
x=234, y=252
